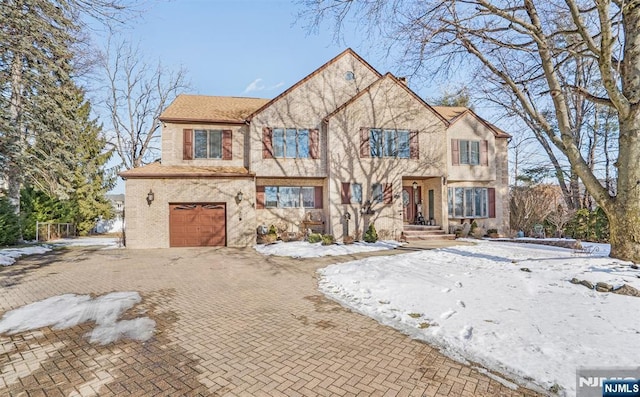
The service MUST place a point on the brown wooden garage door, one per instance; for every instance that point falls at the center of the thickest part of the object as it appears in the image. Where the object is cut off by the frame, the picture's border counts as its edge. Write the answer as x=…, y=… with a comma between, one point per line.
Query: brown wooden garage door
x=197, y=225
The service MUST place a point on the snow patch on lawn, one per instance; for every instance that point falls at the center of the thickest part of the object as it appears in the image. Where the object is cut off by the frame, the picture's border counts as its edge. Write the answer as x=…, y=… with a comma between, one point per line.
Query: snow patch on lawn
x=69, y=310
x=508, y=306
x=8, y=256
x=304, y=249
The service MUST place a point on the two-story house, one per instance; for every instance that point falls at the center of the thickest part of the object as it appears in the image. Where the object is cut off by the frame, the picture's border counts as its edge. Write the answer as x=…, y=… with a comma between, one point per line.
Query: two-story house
x=343, y=147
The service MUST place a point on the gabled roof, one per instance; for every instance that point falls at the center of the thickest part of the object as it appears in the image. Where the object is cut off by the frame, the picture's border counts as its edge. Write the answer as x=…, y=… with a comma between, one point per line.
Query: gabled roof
x=317, y=71
x=211, y=109
x=157, y=170
x=455, y=113
x=399, y=83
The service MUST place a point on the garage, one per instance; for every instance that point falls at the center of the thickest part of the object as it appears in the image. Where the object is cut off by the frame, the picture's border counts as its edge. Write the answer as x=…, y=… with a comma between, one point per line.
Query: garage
x=197, y=225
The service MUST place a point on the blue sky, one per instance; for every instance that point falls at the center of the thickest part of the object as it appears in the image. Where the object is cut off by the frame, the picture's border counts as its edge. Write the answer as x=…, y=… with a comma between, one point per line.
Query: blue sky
x=238, y=48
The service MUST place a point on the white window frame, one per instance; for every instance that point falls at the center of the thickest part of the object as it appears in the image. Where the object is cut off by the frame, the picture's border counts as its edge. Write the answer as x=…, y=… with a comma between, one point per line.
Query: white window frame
x=468, y=202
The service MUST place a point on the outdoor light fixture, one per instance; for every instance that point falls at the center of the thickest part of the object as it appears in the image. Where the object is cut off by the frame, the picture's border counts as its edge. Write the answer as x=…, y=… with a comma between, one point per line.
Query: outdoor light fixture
x=150, y=197
x=239, y=196
x=415, y=185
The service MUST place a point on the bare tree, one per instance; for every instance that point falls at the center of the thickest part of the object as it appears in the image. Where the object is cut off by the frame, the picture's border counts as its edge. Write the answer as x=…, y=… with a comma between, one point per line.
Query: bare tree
x=520, y=48
x=137, y=94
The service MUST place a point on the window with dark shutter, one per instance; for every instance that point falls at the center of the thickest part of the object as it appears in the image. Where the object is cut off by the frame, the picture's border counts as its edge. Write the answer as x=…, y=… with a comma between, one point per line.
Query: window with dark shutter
x=227, y=144
x=414, y=145
x=365, y=150
x=318, y=198
x=187, y=144
x=267, y=143
x=492, y=202
x=259, y=197
x=388, y=193
x=314, y=143
x=455, y=152
x=484, y=152
x=346, y=196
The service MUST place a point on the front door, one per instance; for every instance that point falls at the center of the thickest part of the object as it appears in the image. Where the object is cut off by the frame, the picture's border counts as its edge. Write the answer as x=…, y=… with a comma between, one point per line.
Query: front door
x=410, y=198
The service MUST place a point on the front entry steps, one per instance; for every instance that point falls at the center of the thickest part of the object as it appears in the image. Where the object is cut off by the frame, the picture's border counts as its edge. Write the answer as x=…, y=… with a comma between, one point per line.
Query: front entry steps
x=422, y=232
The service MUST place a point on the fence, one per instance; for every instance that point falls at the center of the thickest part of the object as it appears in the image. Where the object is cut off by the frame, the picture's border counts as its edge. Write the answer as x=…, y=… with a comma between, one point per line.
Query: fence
x=46, y=231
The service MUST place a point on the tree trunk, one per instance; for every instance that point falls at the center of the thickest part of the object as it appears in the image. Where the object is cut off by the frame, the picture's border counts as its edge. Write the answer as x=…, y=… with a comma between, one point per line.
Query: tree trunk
x=624, y=229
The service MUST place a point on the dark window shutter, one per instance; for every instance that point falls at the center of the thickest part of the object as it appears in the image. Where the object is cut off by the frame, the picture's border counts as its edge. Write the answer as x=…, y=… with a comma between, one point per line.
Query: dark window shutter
x=492, y=202
x=187, y=144
x=227, y=143
x=314, y=144
x=346, y=199
x=414, y=145
x=455, y=152
x=388, y=194
x=267, y=143
x=259, y=197
x=318, y=196
x=365, y=150
x=484, y=152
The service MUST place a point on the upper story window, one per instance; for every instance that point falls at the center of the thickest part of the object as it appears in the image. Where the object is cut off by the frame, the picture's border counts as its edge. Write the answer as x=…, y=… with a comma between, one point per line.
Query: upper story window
x=207, y=144
x=382, y=142
x=469, y=152
x=291, y=143
x=389, y=143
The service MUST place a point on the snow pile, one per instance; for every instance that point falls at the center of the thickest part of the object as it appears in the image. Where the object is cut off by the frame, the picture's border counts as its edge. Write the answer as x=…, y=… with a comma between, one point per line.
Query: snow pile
x=303, y=249
x=107, y=242
x=69, y=310
x=508, y=306
x=8, y=256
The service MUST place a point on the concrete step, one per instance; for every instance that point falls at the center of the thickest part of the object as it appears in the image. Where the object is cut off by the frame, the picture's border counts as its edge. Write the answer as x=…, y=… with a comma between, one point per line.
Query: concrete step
x=421, y=237
x=421, y=232
x=421, y=227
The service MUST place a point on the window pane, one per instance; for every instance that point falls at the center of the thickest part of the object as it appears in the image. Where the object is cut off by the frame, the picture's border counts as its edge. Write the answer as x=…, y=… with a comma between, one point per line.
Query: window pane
x=289, y=197
x=481, y=202
x=356, y=193
x=200, y=144
x=464, y=152
x=303, y=144
x=270, y=196
x=459, y=202
x=278, y=142
x=475, y=153
x=309, y=197
x=389, y=143
x=468, y=202
x=290, y=143
x=215, y=144
x=377, y=194
x=403, y=144
x=375, y=141
x=450, y=200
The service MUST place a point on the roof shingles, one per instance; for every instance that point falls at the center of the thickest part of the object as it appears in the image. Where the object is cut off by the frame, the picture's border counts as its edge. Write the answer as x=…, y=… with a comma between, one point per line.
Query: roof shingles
x=204, y=108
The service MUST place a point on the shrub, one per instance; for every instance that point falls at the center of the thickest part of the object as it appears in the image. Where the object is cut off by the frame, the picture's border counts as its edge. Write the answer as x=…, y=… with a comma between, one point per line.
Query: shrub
x=9, y=223
x=474, y=226
x=314, y=238
x=371, y=236
x=478, y=232
x=328, y=239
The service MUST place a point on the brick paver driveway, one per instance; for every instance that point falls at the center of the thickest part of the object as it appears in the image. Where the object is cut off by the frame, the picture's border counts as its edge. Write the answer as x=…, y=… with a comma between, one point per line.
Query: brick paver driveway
x=229, y=322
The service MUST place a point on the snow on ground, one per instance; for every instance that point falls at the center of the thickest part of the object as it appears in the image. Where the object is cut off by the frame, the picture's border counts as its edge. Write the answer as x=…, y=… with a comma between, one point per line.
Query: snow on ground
x=507, y=306
x=303, y=249
x=69, y=310
x=8, y=256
